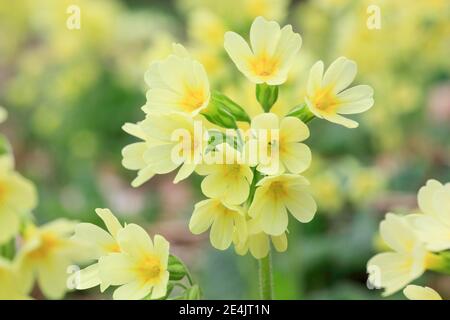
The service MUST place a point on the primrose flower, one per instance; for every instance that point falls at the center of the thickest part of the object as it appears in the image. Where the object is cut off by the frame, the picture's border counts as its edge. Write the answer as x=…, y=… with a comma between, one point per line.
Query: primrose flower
x=272, y=52
x=228, y=178
x=433, y=226
x=140, y=269
x=224, y=220
x=46, y=254
x=179, y=141
x=9, y=282
x=17, y=198
x=178, y=83
x=275, y=196
x=279, y=144
x=102, y=243
x=413, y=292
x=327, y=94
x=407, y=261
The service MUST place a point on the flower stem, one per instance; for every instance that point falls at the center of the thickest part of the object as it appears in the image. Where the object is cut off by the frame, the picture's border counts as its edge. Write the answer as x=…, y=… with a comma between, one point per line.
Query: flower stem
x=265, y=277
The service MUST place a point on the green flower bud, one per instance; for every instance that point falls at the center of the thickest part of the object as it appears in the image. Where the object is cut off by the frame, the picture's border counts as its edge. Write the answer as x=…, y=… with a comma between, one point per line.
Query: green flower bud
x=266, y=95
x=301, y=112
x=176, y=269
x=232, y=107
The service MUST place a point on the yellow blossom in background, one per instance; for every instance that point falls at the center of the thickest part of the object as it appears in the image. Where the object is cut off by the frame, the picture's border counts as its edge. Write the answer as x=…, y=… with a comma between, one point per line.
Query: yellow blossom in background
x=328, y=96
x=225, y=221
x=413, y=292
x=277, y=144
x=10, y=288
x=228, y=178
x=140, y=269
x=177, y=83
x=407, y=261
x=45, y=255
x=3, y=114
x=277, y=195
x=17, y=198
x=272, y=52
x=433, y=226
x=101, y=242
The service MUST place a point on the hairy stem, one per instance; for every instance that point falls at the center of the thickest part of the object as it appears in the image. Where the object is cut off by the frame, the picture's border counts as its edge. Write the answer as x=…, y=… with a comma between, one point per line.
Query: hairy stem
x=265, y=277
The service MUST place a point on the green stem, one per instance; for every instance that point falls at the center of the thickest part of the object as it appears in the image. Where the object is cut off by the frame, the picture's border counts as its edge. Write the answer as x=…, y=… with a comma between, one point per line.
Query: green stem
x=265, y=277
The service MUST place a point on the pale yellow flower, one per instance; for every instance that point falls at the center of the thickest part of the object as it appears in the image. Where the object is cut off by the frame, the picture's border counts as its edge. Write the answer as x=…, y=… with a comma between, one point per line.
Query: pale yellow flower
x=275, y=196
x=179, y=141
x=10, y=288
x=46, y=254
x=227, y=177
x=272, y=52
x=407, y=261
x=327, y=94
x=224, y=220
x=276, y=144
x=101, y=242
x=178, y=83
x=413, y=292
x=433, y=226
x=18, y=197
x=140, y=269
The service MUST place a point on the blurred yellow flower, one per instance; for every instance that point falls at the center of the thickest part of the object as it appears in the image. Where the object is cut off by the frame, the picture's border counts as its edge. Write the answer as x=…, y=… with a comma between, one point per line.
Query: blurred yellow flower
x=102, y=243
x=10, y=288
x=407, y=261
x=272, y=52
x=140, y=269
x=327, y=96
x=17, y=198
x=275, y=196
x=433, y=225
x=278, y=143
x=413, y=292
x=3, y=114
x=45, y=255
x=228, y=178
x=177, y=83
x=225, y=221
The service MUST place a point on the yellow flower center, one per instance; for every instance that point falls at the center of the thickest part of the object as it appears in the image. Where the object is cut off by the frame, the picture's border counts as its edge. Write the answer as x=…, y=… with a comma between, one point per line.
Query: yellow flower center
x=278, y=190
x=114, y=247
x=193, y=98
x=263, y=65
x=325, y=100
x=49, y=242
x=149, y=269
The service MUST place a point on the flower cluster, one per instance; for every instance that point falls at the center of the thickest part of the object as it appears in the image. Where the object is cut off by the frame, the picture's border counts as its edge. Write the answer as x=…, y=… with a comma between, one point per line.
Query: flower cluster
x=253, y=178
x=418, y=242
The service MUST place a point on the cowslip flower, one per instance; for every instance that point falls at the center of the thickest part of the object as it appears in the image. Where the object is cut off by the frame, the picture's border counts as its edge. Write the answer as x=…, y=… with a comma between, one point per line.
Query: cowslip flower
x=228, y=177
x=272, y=52
x=433, y=225
x=140, y=269
x=275, y=196
x=413, y=292
x=101, y=242
x=224, y=220
x=18, y=197
x=275, y=144
x=10, y=289
x=179, y=142
x=327, y=94
x=178, y=83
x=45, y=255
x=407, y=261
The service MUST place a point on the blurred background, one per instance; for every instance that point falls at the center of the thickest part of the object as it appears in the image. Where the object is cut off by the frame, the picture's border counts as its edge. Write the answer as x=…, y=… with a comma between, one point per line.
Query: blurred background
x=68, y=92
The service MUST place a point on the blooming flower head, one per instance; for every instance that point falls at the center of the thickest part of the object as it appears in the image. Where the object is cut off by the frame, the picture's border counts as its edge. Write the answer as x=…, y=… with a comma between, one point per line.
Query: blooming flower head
x=275, y=196
x=278, y=144
x=413, y=292
x=327, y=94
x=140, y=268
x=102, y=243
x=433, y=226
x=228, y=178
x=9, y=282
x=178, y=83
x=407, y=261
x=46, y=254
x=224, y=220
x=179, y=140
x=272, y=52
x=17, y=198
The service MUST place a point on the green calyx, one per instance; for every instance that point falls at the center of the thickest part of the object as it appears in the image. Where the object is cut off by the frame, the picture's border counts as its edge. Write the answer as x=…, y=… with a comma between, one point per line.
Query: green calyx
x=302, y=112
x=266, y=95
x=224, y=112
